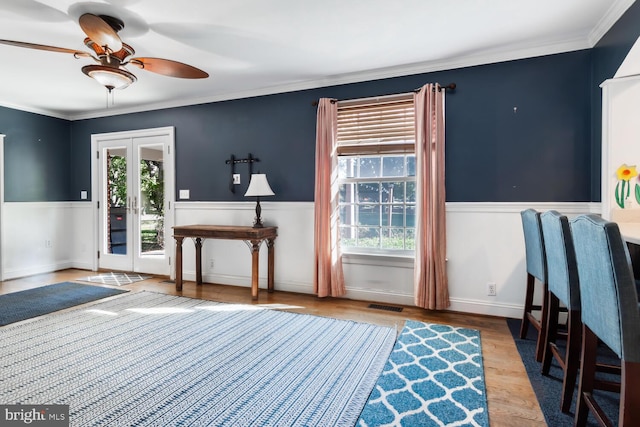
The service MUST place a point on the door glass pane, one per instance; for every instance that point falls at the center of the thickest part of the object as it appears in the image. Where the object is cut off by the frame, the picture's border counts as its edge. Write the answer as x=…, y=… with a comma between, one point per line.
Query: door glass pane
x=116, y=218
x=151, y=200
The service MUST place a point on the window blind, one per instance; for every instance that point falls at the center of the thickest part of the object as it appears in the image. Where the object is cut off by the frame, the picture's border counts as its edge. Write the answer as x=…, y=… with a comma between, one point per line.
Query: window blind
x=382, y=125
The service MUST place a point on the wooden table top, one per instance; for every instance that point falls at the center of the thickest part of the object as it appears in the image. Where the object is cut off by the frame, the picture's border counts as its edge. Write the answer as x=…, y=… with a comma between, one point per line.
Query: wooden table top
x=239, y=232
x=630, y=231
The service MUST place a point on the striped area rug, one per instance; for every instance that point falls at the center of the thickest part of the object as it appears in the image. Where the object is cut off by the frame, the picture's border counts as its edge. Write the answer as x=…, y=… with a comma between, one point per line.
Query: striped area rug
x=159, y=360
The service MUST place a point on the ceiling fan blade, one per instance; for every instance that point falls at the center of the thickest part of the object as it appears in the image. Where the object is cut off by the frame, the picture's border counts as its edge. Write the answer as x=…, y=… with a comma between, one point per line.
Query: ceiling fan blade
x=98, y=30
x=169, y=68
x=44, y=47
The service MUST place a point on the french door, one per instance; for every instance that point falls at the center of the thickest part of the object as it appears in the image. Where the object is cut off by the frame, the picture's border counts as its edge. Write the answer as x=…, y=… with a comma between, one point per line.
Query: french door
x=135, y=189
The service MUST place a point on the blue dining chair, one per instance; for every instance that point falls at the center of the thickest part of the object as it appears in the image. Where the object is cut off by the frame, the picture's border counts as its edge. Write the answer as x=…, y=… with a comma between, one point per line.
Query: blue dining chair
x=610, y=314
x=563, y=288
x=536, y=269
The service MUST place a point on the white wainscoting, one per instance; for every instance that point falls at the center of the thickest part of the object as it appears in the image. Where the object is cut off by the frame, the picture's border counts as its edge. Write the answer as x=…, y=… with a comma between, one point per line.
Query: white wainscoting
x=35, y=238
x=484, y=244
x=232, y=258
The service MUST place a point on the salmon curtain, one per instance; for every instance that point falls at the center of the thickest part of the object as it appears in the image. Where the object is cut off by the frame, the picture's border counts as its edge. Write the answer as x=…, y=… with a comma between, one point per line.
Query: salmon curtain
x=431, y=290
x=328, y=277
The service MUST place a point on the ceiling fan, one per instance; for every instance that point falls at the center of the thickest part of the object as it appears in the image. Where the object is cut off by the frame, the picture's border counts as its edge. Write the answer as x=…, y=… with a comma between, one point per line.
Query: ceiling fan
x=112, y=55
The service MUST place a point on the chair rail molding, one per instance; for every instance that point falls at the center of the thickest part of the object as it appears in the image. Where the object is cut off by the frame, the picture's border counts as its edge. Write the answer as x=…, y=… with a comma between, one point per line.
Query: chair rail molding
x=517, y=207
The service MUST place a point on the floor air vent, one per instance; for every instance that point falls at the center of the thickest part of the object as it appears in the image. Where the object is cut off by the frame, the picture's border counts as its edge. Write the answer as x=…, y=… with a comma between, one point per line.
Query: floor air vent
x=385, y=307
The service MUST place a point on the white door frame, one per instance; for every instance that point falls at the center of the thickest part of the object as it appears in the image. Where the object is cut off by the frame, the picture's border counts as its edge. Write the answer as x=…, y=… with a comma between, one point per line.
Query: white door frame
x=169, y=177
x=2, y=231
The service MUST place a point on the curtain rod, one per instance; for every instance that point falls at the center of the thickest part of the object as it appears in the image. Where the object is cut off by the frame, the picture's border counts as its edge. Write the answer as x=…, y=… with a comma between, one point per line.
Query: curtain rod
x=450, y=86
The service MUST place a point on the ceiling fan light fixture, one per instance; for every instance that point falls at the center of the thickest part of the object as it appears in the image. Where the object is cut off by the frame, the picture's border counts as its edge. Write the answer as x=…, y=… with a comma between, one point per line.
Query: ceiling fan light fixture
x=109, y=77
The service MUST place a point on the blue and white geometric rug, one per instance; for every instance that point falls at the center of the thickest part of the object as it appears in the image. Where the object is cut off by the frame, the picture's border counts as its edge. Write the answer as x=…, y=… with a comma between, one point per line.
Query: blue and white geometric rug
x=148, y=359
x=434, y=377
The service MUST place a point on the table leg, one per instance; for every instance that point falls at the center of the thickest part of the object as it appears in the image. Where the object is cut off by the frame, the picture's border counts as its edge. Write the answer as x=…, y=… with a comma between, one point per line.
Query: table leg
x=270, y=243
x=198, y=261
x=255, y=267
x=179, y=263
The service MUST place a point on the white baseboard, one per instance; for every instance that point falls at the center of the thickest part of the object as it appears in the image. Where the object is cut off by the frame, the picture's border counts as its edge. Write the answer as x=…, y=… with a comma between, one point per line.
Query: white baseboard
x=36, y=269
x=483, y=307
x=245, y=281
x=82, y=266
x=457, y=304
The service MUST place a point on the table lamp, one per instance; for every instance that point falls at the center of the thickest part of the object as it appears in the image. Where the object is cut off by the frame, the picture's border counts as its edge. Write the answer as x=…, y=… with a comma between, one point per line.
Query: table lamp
x=258, y=186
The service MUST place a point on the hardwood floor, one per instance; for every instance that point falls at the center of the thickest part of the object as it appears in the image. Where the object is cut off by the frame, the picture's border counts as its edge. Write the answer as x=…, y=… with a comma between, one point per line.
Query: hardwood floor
x=511, y=399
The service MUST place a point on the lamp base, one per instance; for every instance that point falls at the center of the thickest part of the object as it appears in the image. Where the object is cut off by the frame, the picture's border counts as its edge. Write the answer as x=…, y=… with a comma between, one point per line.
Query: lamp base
x=257, y=221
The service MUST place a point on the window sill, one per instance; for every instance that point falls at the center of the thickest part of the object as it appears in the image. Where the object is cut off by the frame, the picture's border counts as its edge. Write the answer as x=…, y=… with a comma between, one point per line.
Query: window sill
x=378, y=259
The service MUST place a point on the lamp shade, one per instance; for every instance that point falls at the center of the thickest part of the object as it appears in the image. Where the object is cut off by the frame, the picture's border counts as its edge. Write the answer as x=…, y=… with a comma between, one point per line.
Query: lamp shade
x=259, y=186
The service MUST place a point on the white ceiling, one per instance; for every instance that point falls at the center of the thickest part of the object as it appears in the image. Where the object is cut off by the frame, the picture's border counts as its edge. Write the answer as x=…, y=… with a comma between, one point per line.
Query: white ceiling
x=254, y=47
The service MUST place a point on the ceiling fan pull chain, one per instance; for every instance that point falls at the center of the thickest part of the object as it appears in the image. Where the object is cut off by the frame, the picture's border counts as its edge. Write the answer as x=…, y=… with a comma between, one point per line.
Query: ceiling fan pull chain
x=110, y=92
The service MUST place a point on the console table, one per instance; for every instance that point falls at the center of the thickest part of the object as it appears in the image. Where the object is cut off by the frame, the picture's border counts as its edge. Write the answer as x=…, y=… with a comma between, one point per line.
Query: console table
x=253, y=237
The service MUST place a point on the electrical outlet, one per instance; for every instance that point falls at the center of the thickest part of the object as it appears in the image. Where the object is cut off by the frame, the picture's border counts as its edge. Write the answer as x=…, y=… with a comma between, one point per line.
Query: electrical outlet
x=491, y=289
x=47, y=243
x=236, y=178
x=211, y=263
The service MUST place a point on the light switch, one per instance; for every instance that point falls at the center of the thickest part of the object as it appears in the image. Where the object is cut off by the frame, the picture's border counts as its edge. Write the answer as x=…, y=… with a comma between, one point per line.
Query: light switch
x=83, y=195
x=184, y=194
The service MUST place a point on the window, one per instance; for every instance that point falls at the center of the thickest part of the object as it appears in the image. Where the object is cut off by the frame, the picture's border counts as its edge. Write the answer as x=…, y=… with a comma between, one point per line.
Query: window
x=376, y=173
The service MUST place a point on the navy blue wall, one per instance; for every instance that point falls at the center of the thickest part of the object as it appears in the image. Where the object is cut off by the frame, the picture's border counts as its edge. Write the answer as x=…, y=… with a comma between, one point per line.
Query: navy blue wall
x=547, y=149
x=539, y=153
x=608, y=55
x=518, y=131
x=37, y=164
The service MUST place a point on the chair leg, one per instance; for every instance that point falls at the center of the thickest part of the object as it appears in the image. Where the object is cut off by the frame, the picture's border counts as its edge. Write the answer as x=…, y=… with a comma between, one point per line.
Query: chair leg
x=629, y=394
x=587, y=375
x=551, y=327
x=528, y=303
x=572, y=355
x=572, y=358
x=542, y=333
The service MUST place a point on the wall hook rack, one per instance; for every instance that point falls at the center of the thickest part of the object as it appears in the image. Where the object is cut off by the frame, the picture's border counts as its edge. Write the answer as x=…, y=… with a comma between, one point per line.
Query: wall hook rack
x=233, y=161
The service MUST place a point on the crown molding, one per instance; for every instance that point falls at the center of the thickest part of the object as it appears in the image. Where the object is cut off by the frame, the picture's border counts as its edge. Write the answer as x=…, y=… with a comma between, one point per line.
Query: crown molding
x=505, y=54
x=511, y=53
x=42, y=112
x=615, y=12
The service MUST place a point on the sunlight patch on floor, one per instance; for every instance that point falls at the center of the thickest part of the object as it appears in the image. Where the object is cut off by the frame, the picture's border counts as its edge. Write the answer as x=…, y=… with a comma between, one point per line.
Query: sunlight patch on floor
x=160, y=310
x=105, y=312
